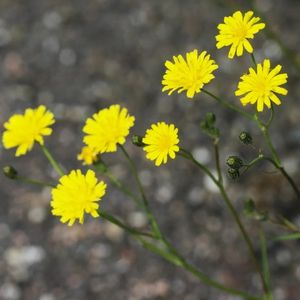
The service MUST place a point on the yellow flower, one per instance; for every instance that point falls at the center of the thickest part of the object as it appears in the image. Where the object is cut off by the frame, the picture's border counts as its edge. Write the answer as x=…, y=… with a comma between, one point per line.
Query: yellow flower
x=75, y=195
x=260, y=85
x=23, y=130
x=161, y=141
x=88, y=155
x=109, y=127
x=235, y=32
x=190, y=74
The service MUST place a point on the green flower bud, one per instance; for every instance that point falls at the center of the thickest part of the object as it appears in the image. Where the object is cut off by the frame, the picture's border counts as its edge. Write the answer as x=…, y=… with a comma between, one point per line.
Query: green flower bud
x=245, y=138
x=100, y=165
x=233, y=173
x=137, y=140
x=10, y=172
x=210, y=118
x=234, y=162
x=249, y=207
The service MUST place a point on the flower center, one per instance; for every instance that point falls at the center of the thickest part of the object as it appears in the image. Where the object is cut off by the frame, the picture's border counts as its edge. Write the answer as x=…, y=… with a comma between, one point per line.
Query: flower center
x=165, y=143
x=262, y=87
x=241, y=32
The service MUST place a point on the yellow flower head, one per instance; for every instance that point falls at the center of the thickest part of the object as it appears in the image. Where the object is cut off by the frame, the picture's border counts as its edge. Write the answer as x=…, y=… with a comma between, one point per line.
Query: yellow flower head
x=109, y=127
x=190, y=74
x=260, y=85
x=235, y=32
x=75, y=195
x=23, y=130
x=161, y=141
x=87, y=155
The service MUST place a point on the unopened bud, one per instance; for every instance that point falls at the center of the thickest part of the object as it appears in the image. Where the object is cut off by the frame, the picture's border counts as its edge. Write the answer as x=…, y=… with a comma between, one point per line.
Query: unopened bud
x=245, y=138
x=249, y=207
x=10, y=172
x=234, y=162
x=137, y=140
x=233, y=173
x=210, y=118
x=100, y=165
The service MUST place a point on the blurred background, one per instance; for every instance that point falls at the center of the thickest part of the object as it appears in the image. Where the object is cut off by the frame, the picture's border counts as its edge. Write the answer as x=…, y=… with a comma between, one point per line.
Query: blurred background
x=77, y=57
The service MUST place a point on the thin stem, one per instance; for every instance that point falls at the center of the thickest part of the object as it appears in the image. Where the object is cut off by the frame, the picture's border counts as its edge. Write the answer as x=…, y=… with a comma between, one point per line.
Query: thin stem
x=253, y=162
x=244, y=234
x=267, y=138
x=33, y=181
x=253, y=59
x=290, y=180
x=271, y=117
x=265, y=263
x=184, y=153
x=120, y=224
x=228, y=105
x=287, y=237
x=233, y=213
x=172, y=254
x=150, y=216
x=217, y=159
x=176, y=259
x=117, y=183
x=265, y=131
x=52, y=160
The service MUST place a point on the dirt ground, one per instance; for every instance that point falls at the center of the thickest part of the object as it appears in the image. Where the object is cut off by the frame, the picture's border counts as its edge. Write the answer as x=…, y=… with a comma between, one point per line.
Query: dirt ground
x=76, y=57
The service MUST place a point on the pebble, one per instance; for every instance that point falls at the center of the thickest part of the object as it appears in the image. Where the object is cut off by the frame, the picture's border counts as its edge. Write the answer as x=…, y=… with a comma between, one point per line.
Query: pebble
x=202, y=155
x=21, y=258
x=164, y=193
x=67, y=57
x=9, y=291
x=137, y=219
x=52, y=20
x=37, y=214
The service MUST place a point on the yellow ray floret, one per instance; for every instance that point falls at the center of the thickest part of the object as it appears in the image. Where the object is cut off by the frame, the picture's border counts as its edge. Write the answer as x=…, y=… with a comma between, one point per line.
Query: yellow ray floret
x=22, y=130
x=108, y=128
x=262, y=85
x=236, y=31
x=188, y=74
x=75, y=195
x=161, y=141
x=87, y=155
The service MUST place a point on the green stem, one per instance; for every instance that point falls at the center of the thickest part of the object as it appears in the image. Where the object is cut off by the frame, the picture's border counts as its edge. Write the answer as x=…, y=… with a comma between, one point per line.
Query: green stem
x=120, y=224
x=186, y=154
x=265, y=263
x=290, y=180
x=233, y=212
x=217, y=159
x=172, y=254
x=228, y=105
x=176, y=259
x=265, y=131
x=253, y=59
x=253, y=162
x=52, y=160
x=34, y=181
x=117, y=183
x=271, y=117
x=244, y=234
x=150, y=216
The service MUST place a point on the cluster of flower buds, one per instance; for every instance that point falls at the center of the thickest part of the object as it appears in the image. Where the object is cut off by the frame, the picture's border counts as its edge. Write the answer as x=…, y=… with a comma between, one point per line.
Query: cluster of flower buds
x=234, y=163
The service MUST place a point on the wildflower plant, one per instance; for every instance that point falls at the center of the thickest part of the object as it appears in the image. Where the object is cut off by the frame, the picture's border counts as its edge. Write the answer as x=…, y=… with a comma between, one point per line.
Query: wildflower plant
x=78, y=194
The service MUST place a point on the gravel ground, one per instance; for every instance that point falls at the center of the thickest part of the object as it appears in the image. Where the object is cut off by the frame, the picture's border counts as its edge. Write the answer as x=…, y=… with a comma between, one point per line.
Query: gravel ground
x=79, y=56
